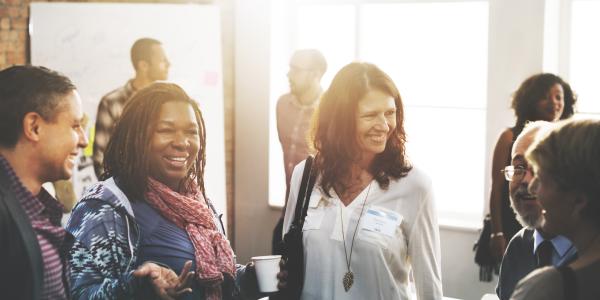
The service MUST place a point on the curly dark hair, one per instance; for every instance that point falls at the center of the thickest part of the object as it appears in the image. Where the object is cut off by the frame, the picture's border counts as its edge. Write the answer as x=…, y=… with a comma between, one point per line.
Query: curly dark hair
x=334, y=128
x=127, y=152
x=534, y=89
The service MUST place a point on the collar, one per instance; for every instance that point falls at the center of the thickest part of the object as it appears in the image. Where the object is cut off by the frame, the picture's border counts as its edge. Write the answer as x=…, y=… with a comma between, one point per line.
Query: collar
x=561, y=244
x=32, y=204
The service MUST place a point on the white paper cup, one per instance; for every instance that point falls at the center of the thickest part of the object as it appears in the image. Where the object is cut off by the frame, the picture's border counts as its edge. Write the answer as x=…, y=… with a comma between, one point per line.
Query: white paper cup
x=267, y=268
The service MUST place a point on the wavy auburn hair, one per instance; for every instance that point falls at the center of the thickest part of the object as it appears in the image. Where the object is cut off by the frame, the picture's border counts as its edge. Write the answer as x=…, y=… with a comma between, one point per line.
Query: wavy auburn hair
x=128, y=151
x=334, y=128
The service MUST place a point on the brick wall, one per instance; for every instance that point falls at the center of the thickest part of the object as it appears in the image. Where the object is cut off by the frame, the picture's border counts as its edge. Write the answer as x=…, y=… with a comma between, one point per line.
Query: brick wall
x=14, y=43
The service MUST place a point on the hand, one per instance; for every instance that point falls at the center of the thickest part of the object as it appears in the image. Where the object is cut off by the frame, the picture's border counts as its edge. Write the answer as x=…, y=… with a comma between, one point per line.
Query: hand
x=167, y=285
x=497, y=247
x=282, y=276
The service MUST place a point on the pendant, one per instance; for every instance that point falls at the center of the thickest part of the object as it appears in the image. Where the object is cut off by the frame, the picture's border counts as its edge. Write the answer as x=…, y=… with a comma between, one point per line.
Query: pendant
x=348, y=280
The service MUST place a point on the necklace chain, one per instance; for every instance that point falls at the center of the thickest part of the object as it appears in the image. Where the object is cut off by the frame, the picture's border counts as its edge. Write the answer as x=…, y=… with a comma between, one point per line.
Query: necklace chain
x=349, y=259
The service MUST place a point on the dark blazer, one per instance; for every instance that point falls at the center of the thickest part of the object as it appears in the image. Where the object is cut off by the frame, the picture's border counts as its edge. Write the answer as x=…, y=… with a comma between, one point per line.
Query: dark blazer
x=21, y=263
x=519, y=260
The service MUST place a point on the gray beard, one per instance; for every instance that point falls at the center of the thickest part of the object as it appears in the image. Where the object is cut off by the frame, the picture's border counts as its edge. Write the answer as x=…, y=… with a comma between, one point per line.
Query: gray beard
x=530, y=221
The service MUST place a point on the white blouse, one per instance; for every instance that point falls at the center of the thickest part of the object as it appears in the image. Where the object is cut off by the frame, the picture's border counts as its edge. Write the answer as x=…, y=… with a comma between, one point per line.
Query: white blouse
x=398, y=229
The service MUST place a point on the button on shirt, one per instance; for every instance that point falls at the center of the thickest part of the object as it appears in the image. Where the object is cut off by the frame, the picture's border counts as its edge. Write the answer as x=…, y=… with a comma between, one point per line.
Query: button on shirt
x=562, y=247
x=44, y=213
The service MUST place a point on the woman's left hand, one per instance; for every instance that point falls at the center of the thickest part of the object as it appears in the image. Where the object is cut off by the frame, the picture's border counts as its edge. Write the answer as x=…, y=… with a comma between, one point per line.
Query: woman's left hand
x=166, y=283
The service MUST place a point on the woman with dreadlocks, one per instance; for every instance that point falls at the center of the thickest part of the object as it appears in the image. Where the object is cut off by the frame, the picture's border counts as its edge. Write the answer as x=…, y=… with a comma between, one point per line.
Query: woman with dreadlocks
x=150, y=217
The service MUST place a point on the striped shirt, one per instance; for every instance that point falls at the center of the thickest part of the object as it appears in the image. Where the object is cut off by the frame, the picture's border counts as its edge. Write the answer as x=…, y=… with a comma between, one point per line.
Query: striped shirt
x=44, y=213
x=109, y=112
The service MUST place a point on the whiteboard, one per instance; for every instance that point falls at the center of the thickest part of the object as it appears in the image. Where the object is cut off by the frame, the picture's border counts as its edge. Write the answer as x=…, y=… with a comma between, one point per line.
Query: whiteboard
x=91, y=42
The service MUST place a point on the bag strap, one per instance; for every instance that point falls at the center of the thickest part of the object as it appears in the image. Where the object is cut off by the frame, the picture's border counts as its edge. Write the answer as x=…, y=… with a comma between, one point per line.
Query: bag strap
x=306, y=186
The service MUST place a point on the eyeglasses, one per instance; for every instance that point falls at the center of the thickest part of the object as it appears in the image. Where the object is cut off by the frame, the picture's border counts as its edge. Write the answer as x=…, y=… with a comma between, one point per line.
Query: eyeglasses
x=516, y=173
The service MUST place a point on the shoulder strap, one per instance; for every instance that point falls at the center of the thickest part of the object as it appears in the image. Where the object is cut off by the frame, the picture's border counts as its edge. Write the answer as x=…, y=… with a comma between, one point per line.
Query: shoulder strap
x=569, y=282
x=300, y=212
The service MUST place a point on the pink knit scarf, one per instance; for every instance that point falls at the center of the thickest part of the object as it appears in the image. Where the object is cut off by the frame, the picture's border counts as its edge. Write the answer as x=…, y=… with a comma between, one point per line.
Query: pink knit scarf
x=190, y=212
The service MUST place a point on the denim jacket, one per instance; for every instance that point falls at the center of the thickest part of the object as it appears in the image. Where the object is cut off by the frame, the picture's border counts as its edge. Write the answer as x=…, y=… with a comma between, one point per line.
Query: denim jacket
x=103, y=256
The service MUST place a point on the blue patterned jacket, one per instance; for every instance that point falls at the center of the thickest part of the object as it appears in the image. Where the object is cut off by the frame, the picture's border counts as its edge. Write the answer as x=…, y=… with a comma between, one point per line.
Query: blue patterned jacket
x=103, y=256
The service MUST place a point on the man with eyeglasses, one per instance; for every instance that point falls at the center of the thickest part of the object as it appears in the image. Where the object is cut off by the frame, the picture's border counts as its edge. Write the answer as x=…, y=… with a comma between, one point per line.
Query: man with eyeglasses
x=294, y=113
x=530, y=248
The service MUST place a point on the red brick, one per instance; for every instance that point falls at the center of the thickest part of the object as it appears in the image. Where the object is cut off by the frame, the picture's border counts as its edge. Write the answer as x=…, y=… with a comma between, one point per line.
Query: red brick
x=14, y=12
x=19, y=23
x=5, y=23
x=13, y=36
x=4, y=35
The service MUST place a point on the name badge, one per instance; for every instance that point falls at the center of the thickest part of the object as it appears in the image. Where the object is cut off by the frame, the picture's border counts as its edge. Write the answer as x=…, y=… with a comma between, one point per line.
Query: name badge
x=381, y=221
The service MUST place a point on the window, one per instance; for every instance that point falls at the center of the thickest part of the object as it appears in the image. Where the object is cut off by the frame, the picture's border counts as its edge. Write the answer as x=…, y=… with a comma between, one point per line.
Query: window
x=436, y=53
x=584, y=61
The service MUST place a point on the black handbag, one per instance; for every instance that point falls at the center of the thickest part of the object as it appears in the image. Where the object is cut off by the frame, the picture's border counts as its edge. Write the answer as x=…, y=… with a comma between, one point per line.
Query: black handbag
x=293, y=248
x=488, y=265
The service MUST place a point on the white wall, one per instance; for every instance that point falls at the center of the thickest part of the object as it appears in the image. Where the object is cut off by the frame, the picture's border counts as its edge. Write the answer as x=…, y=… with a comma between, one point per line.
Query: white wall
x=254, y=220
x=515, y=52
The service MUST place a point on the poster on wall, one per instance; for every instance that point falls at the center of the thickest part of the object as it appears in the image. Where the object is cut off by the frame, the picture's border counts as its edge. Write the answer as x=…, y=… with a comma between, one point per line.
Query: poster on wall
x=91, y=42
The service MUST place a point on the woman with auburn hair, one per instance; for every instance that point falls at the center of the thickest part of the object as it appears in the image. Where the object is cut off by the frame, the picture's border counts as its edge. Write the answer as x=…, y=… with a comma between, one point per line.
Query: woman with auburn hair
x=150, y=217
x=566, y=182
x=545, y=97
x=371, y=215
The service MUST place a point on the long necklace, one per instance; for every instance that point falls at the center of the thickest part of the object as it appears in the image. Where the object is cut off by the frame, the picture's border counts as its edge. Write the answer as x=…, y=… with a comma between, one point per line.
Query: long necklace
x=348, y=279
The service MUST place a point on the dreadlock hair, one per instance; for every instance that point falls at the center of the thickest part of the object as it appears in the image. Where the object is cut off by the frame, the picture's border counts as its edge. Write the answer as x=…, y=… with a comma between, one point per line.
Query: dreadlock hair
x=127, y=153
x=334, y=128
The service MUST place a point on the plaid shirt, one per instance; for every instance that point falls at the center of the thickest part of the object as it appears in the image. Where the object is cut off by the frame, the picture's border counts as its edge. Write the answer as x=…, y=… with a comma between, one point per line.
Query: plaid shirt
x=109, y=112
x=293, y=124
x=44, y=213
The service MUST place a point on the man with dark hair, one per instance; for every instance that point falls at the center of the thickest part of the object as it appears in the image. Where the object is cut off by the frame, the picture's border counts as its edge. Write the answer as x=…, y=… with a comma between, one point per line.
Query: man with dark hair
x=531, y=247
x=294, y=113
x=150, y=64
x=40, y=138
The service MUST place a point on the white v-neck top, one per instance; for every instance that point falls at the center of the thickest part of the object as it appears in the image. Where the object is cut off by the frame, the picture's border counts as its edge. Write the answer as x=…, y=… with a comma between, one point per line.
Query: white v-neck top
x=381, y=261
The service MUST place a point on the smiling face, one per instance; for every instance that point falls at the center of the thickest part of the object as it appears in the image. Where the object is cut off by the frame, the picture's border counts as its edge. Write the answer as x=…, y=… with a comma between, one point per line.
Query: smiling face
x=174, y=144
x=61, y=137
x=525, y=204
x=551, y=107
x=375, y=122
x=557, y=203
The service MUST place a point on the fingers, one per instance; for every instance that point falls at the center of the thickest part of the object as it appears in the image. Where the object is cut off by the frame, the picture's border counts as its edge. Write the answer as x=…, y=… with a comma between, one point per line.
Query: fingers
x=159, y=288
x=147, y=269
x=181, y=292
x=282, y=277
x=186, y=269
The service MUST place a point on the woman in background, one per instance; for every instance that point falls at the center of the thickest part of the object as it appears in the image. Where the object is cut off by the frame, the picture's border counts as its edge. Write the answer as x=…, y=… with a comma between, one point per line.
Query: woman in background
x=567, y=177
x=371, y=217
x=542, y=96
x=152, y=208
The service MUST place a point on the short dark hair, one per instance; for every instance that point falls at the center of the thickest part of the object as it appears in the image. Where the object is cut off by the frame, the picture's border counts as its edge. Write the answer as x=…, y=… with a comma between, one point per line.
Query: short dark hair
x=25, y=89
x=535, y=88
x=334, y=127
x=127, y=152
x=142, y=50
